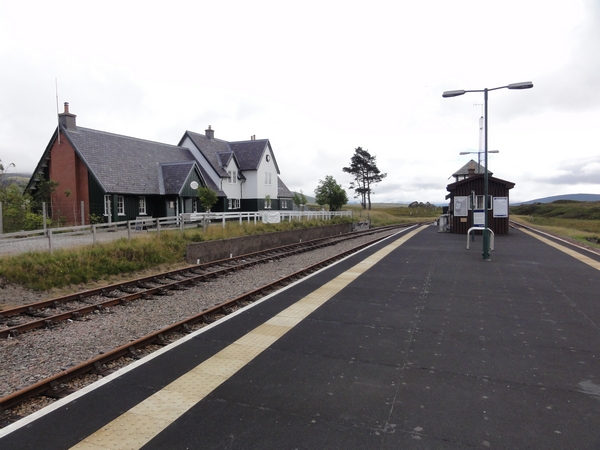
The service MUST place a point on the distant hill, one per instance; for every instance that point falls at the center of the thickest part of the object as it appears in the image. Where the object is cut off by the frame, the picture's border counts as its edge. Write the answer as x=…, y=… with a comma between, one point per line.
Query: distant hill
x=574, y=197
x=310, y=200
x=20, y=179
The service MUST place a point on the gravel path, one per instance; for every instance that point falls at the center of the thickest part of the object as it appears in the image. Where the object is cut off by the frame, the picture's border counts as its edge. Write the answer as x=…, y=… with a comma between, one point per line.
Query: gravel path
x=36, y=355
x=14, y=246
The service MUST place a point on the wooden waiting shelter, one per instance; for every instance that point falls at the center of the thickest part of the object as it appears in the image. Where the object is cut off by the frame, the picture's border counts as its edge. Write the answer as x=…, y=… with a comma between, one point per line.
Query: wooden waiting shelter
x=467, y=206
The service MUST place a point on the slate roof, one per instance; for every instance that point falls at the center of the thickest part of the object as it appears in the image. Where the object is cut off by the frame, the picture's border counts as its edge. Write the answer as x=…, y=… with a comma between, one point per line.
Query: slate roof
x=249, y=153
x=217, y=152
x=464, y=170
x=172, y=176
x=211, y=148
x=282, y=190
x=122, y=164
x=452, y=186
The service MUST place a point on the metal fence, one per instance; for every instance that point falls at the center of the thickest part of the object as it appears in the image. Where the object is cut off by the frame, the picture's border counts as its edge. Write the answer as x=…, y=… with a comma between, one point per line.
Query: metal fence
x=54, y=238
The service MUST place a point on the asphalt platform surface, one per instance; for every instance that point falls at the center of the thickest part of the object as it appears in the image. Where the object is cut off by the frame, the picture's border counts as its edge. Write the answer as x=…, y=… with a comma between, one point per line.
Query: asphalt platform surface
x=430, y=348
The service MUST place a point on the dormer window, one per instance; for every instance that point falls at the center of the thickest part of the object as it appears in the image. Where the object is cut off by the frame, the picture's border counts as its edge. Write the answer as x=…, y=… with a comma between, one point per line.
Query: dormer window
x=232, y=176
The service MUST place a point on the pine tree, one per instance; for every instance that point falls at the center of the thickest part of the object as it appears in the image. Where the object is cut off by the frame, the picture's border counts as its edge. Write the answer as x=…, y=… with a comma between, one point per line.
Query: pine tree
x=366, y=174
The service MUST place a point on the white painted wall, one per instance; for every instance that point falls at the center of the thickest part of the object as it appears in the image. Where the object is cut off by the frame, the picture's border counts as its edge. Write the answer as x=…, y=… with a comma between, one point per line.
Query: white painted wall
x=232, y=190
x=187, y=142
x=265, y=167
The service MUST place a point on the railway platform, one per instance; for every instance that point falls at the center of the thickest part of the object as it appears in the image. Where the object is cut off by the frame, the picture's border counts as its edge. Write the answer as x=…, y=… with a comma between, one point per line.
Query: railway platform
x=413, y=343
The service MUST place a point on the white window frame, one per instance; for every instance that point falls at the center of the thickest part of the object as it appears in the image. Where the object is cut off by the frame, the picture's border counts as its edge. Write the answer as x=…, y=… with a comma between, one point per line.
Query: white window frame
x=120, y=205
x=232, y=176
x=267, y=178
x=284, y=203
x=233, y=203
x=107, y=203
x=142, y=205
x=479, y=202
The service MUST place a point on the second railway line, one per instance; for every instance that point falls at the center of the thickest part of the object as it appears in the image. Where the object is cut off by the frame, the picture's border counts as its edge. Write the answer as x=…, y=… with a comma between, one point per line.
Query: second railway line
x=35, y=356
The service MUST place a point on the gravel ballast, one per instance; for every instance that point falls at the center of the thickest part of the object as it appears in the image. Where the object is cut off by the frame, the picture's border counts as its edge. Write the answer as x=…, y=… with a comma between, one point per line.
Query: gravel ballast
x=33, y=356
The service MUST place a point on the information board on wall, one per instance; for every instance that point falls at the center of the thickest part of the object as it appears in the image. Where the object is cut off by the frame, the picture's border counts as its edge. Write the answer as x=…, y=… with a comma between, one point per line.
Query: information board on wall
x=461, y=206
x=500, y=206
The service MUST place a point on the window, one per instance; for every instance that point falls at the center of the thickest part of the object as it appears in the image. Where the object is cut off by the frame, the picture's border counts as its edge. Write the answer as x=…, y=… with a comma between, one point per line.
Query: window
x=194, y=205
x=284, y=203
x=142, y=205
x=120, y=205
x=233, y=203
x=479, y=204
x=267, y=203
x=232, y=177
x=267, y=178
x=107, y=205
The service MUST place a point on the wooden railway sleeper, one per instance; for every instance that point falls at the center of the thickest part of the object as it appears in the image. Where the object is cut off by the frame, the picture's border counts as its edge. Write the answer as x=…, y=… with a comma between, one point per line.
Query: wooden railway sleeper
x=180, y=287
x=129, y=289
x=58, y=390
x=102, y=369
x=110, y=293
x=208, y=318
x=35, y=313
x=133, y=353
x=188, y=274
x=160, y=339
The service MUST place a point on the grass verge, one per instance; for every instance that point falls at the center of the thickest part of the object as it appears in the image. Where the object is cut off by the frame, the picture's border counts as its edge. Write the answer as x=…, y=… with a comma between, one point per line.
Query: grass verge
x=108, y=262
x=585, y=231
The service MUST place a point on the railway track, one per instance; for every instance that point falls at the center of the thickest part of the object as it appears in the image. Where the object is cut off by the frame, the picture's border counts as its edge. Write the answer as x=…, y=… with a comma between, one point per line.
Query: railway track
x=572, y=242
x=48, y=313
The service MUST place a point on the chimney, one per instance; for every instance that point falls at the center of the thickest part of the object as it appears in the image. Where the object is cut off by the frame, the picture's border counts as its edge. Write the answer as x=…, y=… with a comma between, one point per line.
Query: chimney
x=66, y=119
x=210, y=133
x=253, y=137
x=471, y=169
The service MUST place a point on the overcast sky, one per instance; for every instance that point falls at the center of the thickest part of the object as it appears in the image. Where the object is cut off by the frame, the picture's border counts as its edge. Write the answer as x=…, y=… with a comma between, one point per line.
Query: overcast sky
x=318, y=79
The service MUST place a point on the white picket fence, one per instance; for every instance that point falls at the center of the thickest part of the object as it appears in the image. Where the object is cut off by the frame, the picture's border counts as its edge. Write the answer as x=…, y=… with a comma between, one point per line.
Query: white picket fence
x=53, y=238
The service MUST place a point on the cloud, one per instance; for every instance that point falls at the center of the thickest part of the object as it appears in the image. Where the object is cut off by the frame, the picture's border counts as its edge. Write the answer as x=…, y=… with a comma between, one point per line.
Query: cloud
x=579, y=172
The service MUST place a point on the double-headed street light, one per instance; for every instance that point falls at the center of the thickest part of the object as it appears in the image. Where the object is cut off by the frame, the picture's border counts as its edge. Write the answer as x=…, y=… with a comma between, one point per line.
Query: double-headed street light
x=478, y=156
x=522, y=85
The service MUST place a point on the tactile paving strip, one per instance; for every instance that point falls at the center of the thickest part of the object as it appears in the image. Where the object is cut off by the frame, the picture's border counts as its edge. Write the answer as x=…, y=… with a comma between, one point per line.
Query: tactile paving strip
x=141, y=423
x=584, y=259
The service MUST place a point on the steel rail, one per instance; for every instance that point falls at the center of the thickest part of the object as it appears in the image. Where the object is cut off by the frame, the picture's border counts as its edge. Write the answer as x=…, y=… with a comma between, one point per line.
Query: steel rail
x=230, y=265
x=576, y=244
x=78, y=296
x=53, y=385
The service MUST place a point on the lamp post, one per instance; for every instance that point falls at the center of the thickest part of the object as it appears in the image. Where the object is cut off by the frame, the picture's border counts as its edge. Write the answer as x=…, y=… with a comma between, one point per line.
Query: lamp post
x=479, y=156
x=446, y=94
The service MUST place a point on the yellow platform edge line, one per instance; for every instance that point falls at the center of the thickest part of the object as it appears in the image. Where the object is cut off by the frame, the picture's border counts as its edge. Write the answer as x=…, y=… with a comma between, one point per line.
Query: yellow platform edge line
x=584, y=259
x=136, y=427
